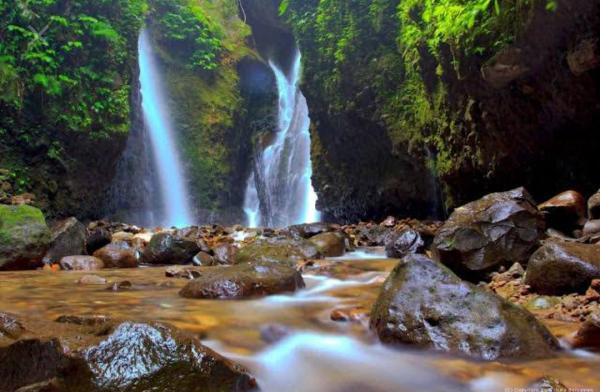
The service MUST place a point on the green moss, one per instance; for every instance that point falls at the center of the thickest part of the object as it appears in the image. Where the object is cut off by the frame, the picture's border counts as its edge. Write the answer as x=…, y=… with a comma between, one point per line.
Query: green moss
x=207, y=104
x=393, y=62
x=12, y=216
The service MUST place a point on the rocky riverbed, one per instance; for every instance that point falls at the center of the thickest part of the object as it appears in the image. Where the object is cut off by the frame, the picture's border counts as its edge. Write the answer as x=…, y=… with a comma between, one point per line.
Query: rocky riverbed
x=505, y=293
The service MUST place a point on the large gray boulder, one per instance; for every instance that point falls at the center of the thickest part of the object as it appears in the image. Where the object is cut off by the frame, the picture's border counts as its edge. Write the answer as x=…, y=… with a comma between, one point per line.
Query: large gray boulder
x=499, y=229
x=24, y=237
x=423, y=303
x=561, y=267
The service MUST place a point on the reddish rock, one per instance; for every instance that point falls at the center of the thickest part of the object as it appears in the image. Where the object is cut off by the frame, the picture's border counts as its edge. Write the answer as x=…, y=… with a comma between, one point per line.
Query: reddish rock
x=203, y=258
x=588, y=335
x=330, y=244
x=243, y=281
x=81, y=263
x=565, y=211
x=118, y=255
x=561, y=267
x=355, y=314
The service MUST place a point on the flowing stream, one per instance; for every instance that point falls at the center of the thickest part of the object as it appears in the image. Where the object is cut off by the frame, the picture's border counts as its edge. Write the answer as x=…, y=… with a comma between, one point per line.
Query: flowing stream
x=288, y=341
x=176, y=209
x=279, y=191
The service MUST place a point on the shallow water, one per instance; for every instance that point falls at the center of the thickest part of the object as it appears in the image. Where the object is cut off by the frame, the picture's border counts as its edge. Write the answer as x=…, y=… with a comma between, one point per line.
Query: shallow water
x=315, y=353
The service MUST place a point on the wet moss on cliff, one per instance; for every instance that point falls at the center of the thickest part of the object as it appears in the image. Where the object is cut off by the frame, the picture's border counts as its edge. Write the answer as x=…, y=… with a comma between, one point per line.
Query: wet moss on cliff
x=478, y=91
x=65, y=80
x=210, y=110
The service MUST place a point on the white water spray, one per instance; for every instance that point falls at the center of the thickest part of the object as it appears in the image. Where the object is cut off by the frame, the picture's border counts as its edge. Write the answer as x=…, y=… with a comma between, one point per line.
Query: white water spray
x=171, y=179
x=284, y=168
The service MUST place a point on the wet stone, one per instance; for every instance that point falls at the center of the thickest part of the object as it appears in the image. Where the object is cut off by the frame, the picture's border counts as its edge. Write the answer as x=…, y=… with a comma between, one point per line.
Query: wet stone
x=10, y=326
x=92, y=280
x=423, y=303
x=244, y=281
x=181, y=272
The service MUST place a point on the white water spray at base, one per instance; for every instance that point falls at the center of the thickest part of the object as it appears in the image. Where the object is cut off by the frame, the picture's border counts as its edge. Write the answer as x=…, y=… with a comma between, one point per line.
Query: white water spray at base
x=284, y=169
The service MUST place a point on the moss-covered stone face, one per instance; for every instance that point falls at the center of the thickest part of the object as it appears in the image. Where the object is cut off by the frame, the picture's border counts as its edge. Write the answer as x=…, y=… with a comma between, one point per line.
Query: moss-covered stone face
x=24, y=237
x=400, y=88
x=214, y=109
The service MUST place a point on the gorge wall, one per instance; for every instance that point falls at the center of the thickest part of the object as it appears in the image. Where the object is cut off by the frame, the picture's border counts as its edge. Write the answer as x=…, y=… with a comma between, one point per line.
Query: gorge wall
x=416, y=106
x=486, y=95
x=67, y=71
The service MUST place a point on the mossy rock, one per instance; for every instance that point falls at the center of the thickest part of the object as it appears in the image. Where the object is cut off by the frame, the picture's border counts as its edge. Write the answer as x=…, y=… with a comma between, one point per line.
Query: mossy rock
x=279, y=250
x=24, y=237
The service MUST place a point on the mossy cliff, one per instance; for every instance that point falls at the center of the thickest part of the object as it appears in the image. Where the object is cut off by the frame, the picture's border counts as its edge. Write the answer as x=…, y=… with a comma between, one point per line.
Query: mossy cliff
x=219, y=94
x=66, y=75
x=486, y=94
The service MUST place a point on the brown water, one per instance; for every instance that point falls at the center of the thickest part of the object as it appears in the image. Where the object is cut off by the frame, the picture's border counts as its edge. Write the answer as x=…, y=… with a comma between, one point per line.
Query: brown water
x=318, y=354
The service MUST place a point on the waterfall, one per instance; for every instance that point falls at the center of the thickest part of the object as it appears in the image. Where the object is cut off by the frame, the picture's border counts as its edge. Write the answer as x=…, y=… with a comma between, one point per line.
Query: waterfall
x=176, y=210
x=279, y=191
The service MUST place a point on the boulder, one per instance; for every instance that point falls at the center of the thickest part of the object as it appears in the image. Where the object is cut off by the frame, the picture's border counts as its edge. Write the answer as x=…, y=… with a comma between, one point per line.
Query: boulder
x=81, y=263
x=404, y=243
x=225, y=254
x=277, y=249
x=129, y=356
x=92, y=280
x=32, y=361
x=24, y=237
x=118, y=255
x=565, y=211
x=423, y=303
x=498, y=229
x=168, y=248
x=332, y=244
x=181, y=272
x=307, y=230
x=10, y=326
x=68, y=239
x=203, y=258
x=97, y=237
x=594, y=206
x=244, y=281
x=373, y=235
x=560, y=267
x=588, y=335
x=144, y=357
x=591, y=227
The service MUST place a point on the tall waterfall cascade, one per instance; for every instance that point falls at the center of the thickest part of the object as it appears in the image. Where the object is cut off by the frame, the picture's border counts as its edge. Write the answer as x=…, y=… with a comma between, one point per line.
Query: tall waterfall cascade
x=176, y=208
x=279, y=191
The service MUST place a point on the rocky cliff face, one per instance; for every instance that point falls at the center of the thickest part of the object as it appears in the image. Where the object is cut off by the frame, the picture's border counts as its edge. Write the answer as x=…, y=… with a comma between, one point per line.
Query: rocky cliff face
x=399, y=91
x=216, y=107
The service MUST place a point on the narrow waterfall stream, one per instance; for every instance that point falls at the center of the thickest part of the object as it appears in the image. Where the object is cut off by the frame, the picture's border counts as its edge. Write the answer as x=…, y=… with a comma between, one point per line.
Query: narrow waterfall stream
x=279, y=190
x=156, y=119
